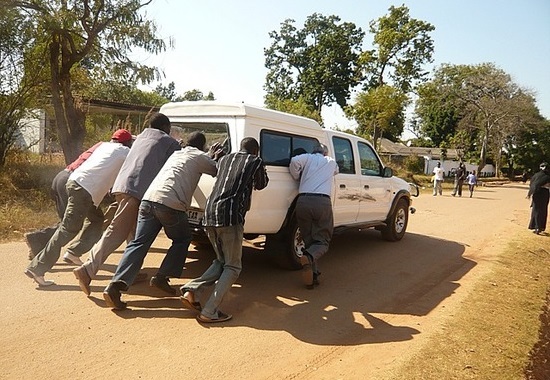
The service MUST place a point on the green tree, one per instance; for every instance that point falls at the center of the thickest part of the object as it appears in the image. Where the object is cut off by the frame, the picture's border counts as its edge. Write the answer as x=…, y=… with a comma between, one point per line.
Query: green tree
x=318, y=63
x=296, y=107
x=194, y=95
x=379, y=112
x=488, y=109
x=402, y=45
x=18, y=84
x=95, y=36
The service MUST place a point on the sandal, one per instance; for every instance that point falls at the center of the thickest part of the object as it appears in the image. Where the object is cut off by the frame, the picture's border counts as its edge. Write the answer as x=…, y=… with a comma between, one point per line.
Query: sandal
x=191, y=305
x=222, y=317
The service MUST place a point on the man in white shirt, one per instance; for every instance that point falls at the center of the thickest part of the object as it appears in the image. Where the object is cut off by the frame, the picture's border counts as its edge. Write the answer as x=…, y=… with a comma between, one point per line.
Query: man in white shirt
x=439, y=175
x=315, y=172
x=86, y=187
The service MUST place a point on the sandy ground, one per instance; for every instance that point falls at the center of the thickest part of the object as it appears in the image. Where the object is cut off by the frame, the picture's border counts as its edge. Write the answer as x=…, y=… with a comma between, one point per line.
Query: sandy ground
x=377, y=304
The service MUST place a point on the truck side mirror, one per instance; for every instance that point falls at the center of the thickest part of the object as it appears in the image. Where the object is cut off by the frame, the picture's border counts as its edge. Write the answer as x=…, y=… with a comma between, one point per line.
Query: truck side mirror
x=388, y=172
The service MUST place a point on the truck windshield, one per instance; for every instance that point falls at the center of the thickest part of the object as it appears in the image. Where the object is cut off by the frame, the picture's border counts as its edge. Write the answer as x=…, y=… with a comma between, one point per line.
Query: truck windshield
x=214, y=132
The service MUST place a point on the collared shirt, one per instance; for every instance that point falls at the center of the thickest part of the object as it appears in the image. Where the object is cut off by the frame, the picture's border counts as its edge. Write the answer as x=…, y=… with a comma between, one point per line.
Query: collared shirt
x=238, y=174
x=314, y=171
x=176, y=181
x=148, y=154
x=97, y=174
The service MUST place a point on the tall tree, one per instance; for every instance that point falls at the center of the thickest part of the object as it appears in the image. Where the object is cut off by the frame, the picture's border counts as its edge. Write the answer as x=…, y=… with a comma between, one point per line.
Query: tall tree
x=402, y=46
x=487, y=104
x=379, y=112
x=318, y=63
x=87, y=34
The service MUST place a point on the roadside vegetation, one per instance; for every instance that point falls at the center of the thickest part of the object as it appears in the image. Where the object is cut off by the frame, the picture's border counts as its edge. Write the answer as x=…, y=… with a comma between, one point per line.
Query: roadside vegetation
x=501, y=331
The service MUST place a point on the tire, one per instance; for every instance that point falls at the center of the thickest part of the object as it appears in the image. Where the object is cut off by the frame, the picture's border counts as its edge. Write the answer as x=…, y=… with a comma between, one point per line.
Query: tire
x=286, y=248
x=396, y=224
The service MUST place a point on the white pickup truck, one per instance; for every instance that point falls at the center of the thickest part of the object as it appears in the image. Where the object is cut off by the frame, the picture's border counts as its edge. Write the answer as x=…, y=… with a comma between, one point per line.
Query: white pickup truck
x=365, y=192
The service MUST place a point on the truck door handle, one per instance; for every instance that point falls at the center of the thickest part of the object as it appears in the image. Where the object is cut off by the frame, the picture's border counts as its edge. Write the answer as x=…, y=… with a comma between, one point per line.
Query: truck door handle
x=366, y=187
x=342, y=186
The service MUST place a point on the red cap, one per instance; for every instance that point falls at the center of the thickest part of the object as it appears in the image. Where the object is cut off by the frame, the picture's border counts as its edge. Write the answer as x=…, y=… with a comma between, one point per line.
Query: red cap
x=121, y=135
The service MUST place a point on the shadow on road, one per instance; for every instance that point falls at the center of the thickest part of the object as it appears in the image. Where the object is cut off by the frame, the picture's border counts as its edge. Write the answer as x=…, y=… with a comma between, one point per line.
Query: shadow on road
x=367, y=285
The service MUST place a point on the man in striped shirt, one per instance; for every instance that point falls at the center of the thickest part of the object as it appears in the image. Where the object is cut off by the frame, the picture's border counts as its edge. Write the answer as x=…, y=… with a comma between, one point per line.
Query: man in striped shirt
x=238, y=174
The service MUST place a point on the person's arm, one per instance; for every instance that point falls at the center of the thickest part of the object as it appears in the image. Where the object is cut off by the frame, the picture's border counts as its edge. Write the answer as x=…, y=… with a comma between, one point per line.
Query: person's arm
x=260, y=176
x=296, y=166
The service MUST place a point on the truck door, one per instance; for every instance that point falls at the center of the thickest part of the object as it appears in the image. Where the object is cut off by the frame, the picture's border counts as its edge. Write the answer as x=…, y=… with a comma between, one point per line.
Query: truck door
x=347, y=183
x=375, y=190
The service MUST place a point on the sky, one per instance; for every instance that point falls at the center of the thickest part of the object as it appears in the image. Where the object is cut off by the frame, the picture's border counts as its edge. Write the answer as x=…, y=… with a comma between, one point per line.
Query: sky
x=219, y=44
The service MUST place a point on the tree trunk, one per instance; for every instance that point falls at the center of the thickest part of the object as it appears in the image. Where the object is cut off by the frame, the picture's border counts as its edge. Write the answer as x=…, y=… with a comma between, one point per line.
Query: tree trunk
x=483, y=152
x=69, y=119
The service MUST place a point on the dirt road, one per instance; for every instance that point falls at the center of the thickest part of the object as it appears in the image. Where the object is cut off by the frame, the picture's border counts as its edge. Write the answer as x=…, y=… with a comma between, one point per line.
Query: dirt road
x=378, y=302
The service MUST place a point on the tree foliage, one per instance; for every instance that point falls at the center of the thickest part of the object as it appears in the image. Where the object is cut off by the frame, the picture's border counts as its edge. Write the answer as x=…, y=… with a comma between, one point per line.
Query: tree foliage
x=379, y=112
x=92, y=36
x=478, y=107
x=18, y=84
x=402, y=46
x=318, y=63
x=296, y=107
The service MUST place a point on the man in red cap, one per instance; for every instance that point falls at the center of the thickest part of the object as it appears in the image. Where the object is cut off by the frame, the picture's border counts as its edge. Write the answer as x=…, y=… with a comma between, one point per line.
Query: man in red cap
x=86, y=187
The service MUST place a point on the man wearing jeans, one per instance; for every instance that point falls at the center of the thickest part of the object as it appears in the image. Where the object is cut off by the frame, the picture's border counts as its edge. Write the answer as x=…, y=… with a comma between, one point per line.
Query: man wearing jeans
x=165, y=205
x=149, y=152
x=86, y=187
x=238, y=174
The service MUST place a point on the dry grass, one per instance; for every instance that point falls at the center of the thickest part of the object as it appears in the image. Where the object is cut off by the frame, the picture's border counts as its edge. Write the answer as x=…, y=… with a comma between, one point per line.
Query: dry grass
x=498, y=324
x=25, y=203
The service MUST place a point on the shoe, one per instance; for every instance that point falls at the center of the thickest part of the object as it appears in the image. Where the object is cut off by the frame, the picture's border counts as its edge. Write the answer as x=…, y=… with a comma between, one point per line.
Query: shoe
x=222, y=317
x=37, y=240
x=188, y=300
x=83, y=278
x=111, y=294
x=161, y=282
x=307, y=271
x=38, y=279
x=69, y=258
x=141, y=277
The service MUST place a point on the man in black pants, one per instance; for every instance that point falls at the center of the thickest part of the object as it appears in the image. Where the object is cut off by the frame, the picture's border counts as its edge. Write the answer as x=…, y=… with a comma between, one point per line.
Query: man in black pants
x=315, y=172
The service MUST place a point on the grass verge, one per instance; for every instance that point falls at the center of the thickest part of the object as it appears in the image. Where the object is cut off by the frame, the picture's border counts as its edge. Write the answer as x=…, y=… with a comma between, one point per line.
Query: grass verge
x=493, y=334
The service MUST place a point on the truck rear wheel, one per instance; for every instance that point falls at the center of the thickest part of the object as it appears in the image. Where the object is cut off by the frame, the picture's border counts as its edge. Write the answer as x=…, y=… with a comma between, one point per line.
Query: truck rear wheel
x=286, y=248
x=396, y=224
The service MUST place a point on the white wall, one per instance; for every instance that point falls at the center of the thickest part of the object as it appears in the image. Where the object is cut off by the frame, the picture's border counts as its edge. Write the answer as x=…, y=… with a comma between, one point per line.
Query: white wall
x=447, y=165
x=32, y=132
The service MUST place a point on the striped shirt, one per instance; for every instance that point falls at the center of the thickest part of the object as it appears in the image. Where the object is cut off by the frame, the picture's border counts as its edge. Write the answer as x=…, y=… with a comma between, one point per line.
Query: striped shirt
x=238, y=174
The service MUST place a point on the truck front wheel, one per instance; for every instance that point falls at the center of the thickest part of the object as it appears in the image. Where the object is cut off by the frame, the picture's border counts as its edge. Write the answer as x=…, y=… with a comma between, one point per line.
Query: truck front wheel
x=396, y=224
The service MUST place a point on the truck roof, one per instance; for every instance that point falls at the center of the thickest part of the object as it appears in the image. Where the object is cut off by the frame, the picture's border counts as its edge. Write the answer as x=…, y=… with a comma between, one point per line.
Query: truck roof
x=215, y=108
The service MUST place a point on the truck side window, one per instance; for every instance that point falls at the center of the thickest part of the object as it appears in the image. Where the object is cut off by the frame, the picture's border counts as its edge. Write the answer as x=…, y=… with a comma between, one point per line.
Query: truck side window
x=277, y=148
x=370, y=165
x=343, y=154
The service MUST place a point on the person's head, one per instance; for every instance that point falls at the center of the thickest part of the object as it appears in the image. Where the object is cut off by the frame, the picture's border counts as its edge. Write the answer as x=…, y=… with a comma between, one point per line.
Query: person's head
x=320, y=148
x=160, y=121
x=439, y=164
x=250, y=145
x=543, y=166
x=196, y=140
x=460, y=165
x=122, y=136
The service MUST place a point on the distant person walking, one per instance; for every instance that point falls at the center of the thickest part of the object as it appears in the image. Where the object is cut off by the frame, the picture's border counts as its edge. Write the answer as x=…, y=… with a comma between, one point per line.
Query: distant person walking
x=460, y=175
x=539, y=192
x=238, y=174
x=86, y=187
x=439, y=176
x=471, y=179
x=315, y=172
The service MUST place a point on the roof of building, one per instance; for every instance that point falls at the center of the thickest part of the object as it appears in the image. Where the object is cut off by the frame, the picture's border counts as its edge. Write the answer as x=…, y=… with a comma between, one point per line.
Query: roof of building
x=388, y=147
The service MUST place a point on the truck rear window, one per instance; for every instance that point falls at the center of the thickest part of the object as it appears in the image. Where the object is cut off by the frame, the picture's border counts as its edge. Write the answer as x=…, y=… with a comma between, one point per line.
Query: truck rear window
x=214, y=132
